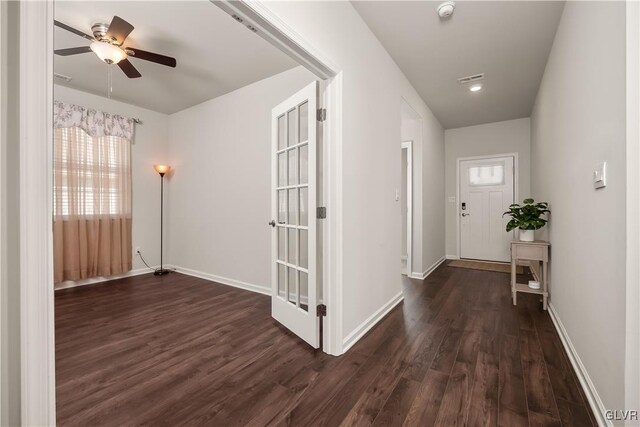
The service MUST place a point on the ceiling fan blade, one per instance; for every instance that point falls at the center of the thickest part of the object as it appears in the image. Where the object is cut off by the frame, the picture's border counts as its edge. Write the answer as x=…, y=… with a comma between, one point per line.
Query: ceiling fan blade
x=72, y=51
x=119, y=30
x=73, y=30
x=153, y=57
x=128, y=68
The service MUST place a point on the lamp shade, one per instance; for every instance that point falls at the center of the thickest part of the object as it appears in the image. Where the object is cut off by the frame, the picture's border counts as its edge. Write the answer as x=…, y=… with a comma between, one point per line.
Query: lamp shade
x=162, y=169
x=109, y=53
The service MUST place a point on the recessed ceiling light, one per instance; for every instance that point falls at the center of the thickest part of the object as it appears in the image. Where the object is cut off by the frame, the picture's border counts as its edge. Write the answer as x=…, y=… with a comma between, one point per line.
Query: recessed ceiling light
x=476, y=87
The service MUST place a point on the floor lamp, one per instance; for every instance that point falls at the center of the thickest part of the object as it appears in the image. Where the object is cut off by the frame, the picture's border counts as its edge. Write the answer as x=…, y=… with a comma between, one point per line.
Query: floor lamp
x=161, y=169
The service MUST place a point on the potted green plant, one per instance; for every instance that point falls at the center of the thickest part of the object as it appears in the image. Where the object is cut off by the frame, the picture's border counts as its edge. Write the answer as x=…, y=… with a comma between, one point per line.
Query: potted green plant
x=527, y=218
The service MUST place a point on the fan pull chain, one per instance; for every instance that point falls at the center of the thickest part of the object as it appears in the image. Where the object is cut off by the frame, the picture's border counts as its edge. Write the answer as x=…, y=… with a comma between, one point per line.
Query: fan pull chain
x=110, y=82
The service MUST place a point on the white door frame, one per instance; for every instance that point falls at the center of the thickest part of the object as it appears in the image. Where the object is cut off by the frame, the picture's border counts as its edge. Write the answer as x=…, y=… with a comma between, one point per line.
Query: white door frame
x=37, y=347
x=486, y=157
x=277, y=32
x=36, y=236
x=409, y=146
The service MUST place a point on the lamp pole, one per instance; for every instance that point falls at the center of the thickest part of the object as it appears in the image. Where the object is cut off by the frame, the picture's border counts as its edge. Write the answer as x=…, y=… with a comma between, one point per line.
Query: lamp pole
x=162, y=170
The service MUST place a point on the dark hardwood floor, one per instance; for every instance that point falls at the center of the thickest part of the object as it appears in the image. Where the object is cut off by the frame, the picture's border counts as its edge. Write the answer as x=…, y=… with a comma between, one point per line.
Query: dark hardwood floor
x=177, y=350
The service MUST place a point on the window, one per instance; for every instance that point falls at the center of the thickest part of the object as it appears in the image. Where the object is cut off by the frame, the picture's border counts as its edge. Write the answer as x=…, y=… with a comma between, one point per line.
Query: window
x=91, y=174
x=492, y=174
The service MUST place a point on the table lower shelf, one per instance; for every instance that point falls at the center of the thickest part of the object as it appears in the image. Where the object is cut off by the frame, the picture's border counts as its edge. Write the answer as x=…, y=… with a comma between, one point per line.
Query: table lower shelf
x=522, y=287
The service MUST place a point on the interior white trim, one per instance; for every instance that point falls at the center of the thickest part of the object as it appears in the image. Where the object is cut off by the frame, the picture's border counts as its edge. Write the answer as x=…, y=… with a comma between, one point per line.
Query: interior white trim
x=271, y=28
x=516, y=195
x=409, y=259
x=93, y=280
x=37, y=347
x=3, y=58
x=597, y=406
x=632, y=345
x=428, y=271
x=370, y=322
x=452, y=257
x=265, y=290
x=278, y=33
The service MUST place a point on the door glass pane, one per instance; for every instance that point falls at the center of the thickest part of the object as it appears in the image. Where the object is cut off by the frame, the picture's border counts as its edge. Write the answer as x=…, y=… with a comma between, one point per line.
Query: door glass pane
x=281, y=132
x=282, y=169
x=303, y=122
x=293, y=253
x=292, y=167
x=304, y=291
x=291, y=116
x=281, y=240
x=281, y=279
x=304, y=248
x=282, y=206
x=293, y=205
x=304, y=150
x=292, y=286
x=486, y=175
x=304, y=217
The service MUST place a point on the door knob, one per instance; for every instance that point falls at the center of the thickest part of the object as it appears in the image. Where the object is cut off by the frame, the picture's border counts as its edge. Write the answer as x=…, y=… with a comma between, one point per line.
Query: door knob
x=465, y=214
x=272, y=223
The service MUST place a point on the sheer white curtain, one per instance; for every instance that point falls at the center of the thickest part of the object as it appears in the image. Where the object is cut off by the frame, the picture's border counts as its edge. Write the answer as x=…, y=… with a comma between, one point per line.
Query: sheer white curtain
x=92, y=193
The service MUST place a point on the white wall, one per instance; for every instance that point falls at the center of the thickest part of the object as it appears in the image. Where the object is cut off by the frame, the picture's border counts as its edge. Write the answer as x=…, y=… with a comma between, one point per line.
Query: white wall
x=219, y=194
x=511, y=136
x=149, y=148
x=372, y=88
x=578, y=121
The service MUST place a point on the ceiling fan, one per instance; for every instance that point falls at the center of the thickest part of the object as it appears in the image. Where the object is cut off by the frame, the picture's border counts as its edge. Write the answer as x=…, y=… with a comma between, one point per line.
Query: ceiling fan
x=107, y=43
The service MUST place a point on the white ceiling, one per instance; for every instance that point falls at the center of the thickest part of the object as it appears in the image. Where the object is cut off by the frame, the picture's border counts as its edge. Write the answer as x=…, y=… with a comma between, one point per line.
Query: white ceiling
x=509, y=41
x=215, y=54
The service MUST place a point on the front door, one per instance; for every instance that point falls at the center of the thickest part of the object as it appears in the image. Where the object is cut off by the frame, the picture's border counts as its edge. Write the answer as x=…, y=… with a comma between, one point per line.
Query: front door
x=486, y=191
x=294, y=142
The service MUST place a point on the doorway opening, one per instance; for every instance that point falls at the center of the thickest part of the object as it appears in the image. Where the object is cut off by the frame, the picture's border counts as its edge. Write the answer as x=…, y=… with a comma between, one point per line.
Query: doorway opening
x=486, y=187
x=406, y=206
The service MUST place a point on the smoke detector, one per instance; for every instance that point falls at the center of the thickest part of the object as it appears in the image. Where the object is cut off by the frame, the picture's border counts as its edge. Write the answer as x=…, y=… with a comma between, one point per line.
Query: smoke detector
x=445, y=10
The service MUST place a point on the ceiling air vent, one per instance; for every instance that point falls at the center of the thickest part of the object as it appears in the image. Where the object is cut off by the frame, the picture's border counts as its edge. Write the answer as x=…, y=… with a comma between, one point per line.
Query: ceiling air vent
x=62, y=77
x=470, y=79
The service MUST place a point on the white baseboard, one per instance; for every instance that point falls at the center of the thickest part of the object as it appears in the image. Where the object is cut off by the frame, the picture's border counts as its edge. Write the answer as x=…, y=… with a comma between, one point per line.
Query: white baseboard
x=364, y=327
x=597, y=406
x=452, y=257
x=428, y=271
x=225, y=281
x=93, y=280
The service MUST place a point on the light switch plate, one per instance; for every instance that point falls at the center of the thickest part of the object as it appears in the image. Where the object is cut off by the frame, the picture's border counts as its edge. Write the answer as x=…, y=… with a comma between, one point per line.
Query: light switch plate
x=600, y=176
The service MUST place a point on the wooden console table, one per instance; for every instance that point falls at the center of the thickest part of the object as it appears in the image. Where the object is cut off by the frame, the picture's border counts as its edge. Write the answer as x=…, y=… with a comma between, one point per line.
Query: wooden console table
x=534, y=253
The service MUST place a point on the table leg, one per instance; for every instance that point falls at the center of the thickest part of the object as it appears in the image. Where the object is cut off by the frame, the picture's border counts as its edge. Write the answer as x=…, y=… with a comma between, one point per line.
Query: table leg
x=513, y=279
x=545, y=284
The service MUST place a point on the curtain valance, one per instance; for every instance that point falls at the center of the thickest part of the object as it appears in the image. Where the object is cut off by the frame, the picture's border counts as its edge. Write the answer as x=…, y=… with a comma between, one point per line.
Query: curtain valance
x=93, y=122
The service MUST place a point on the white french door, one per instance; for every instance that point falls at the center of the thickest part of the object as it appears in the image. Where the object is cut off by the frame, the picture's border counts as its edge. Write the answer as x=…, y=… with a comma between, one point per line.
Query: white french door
x=486, y=191
x=294, y=142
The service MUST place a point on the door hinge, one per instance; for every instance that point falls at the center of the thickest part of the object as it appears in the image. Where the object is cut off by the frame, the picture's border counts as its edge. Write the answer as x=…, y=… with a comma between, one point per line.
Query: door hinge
x=321, y=212
x=321, y=310
x=322, y=114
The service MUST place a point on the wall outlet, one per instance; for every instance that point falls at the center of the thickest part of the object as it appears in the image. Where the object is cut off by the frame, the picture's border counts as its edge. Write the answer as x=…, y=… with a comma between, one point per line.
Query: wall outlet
x=138, y=248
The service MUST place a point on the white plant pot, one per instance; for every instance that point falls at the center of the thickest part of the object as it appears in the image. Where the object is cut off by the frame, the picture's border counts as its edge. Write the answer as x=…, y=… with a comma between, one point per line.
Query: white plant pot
x=526, y=235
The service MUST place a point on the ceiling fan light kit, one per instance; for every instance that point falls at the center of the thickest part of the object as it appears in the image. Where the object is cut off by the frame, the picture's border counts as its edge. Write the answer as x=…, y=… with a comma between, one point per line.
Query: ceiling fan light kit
x=109, y=53
x=107, y=43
